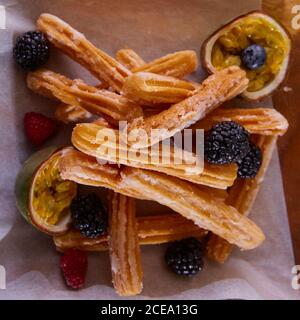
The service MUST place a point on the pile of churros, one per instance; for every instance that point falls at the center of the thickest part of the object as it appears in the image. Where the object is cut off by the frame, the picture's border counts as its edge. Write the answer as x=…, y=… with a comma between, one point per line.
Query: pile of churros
x=157, y=102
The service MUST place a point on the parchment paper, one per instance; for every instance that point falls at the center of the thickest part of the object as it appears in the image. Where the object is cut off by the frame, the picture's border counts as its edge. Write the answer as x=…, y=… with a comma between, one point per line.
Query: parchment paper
x=152, y=28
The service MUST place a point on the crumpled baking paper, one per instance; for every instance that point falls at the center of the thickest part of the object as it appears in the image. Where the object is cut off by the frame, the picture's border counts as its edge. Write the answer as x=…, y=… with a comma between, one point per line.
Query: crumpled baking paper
x=152, y=28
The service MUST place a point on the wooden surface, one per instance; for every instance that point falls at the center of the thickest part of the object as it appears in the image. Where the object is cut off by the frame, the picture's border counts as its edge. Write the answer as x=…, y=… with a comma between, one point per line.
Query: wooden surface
x=287, y=101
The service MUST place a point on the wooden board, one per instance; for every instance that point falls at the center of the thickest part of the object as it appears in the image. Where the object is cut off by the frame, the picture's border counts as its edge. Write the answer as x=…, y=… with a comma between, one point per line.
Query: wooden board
x=287, y=101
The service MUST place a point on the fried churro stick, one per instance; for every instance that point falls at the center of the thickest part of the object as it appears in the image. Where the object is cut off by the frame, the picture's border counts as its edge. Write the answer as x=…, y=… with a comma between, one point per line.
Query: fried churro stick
x=177, y=64
x=151, y=89
x=196, y=203
x=76, y=93
x=68, y=113
x=104, y=143
x=130, y=59
x=264, y=121
x=155, y=229
x=86, y=170
x=77, y=47
x=242, y=196
x=216, y=89
x=124, y=249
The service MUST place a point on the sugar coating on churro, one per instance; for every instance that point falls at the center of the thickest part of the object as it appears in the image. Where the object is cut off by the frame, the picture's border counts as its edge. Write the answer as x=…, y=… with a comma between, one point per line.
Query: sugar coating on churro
x=215, y=90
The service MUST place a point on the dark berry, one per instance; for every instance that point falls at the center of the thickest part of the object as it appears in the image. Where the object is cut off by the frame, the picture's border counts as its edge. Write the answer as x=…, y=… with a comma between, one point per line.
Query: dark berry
x=254, y=56
x=89, y=215
x=226, y=142
x=73, y=265
x=31, y=50
x=185, y=257
x=250, y=164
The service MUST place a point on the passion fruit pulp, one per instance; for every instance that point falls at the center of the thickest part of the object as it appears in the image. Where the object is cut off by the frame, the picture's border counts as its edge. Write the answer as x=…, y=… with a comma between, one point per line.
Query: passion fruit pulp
x=225, y=46
x=43, y=198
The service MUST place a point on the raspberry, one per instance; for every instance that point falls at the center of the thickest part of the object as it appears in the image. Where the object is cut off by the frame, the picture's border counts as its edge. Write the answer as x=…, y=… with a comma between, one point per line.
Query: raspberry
x=88, y=215
x=74, y=266
x=38, y=128
x=185, y=257
x=31, y=50
x=226, y=142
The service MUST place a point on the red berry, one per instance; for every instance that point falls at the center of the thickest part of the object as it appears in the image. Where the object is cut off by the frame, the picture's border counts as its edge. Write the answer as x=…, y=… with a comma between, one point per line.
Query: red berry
x=74, y=265
x=38, y=128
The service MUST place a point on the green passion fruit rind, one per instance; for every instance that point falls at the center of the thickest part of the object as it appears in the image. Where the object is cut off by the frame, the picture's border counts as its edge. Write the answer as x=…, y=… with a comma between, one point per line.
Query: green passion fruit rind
x=42, y=197
x=224, y=47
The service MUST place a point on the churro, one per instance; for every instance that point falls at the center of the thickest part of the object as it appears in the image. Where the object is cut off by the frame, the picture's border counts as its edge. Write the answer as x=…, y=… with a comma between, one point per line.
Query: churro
x=130, y=59
x=177, y=64
x=216, y=89
x=68, y=113
x=151, y=89
x=263, y=121
x=242, y=196
x=156, y=229
x=97, y=140
x=76, y=93
x=196, y=203
x=77, y=47
x=124, y=249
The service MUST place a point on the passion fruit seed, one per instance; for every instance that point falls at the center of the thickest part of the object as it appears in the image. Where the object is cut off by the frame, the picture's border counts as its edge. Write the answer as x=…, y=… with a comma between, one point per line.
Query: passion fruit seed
x=43, y=198
x=254, y=57
x=263, y=64
x=51, y=195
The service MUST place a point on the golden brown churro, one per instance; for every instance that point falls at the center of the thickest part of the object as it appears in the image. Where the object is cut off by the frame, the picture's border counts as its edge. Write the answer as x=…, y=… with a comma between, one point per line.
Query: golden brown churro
x=130, y=59
x=215, y=90
x=151, y=89
x=177, y=64
x=68, y=113
x=77, y=47
x=124, y=248
x=98, y=141
x=79, y=167
x=76, y=93
x=196, y=203
x=156, y=229
x=242, y=196
x=264, y=121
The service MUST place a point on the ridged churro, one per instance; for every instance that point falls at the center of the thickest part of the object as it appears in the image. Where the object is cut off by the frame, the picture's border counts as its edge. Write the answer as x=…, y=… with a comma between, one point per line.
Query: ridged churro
x=197, y=203
x=104, y=143
x=242, y=196
x=68, y=113
x=77, y=47
x=264, y=121
x=124, y=248
x=76, y=93
x=216, y=89
x=177, y=64
x=156, y=229
x=130, y=59
x=151, y=89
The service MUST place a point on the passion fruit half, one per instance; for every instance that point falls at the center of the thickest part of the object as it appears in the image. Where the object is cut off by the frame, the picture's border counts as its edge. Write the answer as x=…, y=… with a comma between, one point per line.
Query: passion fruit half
x=225, y=46
x=42, y=197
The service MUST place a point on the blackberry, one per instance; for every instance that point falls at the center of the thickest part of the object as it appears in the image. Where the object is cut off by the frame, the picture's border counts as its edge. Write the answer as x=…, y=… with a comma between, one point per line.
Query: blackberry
x=254, y=57
x=89, y=215
x=31, y=50
x=250, y=164
x=185, y=257
x=226, y=142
